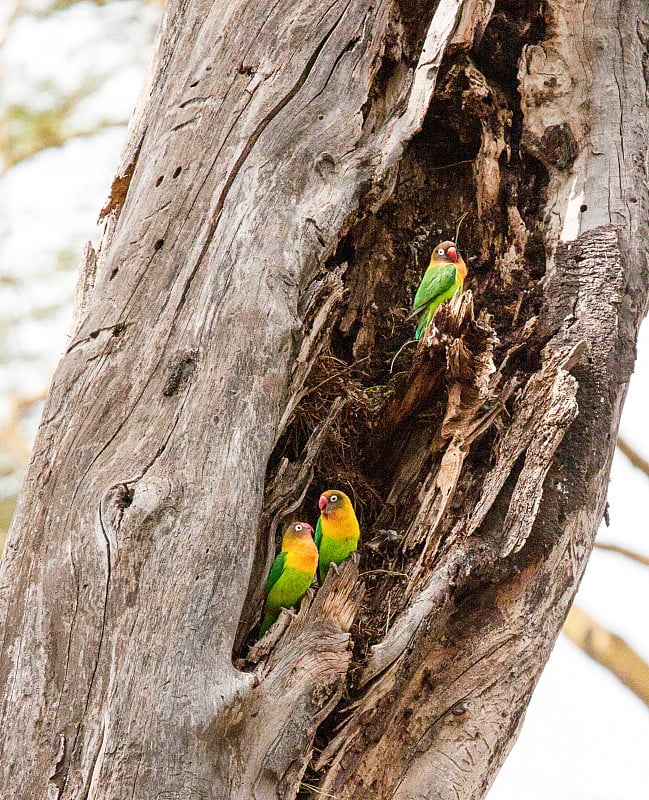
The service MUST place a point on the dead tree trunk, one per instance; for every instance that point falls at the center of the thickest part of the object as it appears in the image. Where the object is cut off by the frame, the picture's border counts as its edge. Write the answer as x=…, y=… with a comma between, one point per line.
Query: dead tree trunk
x=288, y=170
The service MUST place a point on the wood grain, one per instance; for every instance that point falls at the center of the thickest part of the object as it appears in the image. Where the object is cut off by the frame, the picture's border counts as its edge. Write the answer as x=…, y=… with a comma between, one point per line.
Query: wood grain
x=286, y=173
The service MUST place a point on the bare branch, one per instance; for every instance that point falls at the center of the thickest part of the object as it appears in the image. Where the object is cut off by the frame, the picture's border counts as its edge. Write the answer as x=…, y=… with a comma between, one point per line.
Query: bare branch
x=634, y=457
x=609, y=650
x=623, y=551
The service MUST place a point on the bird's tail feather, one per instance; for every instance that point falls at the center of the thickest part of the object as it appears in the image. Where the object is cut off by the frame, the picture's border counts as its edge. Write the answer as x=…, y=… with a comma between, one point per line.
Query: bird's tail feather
x=269, y=617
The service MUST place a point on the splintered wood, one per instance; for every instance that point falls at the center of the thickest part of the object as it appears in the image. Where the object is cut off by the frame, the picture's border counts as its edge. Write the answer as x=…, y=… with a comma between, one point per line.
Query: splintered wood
x=301, y=666
x=545, y=411
x=474, y=402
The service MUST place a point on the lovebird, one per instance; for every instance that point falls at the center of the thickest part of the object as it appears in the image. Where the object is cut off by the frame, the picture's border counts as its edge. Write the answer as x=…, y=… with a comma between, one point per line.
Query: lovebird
x=337, y=531
x=292, y=572
x=444, y=276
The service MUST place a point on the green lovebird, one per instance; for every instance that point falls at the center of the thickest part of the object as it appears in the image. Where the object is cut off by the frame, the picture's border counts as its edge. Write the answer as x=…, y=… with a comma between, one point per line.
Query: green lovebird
x=444, y=276
x=337, y=531
x=292, y=572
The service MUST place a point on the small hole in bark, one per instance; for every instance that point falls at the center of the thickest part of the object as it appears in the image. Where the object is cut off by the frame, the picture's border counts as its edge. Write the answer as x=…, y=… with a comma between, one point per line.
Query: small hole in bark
x=177, y=172
x=113, y=273
x=583, y=208
x=119, y=329
x=191, y=85
x=160, y=179
x=94, y=334
x=125, y=496
x=208, y=68
x=180, y=374
x=428, y=683
x=158, y=244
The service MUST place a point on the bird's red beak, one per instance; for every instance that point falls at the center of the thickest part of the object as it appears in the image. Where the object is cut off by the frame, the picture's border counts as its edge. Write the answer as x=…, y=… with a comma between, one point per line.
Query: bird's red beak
x=452, y=254
x=322, y=502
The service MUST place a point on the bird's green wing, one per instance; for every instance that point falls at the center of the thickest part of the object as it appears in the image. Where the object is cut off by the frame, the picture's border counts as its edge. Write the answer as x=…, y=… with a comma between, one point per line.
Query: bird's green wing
x=435, y=282
x=318, y=533
x=276, y=571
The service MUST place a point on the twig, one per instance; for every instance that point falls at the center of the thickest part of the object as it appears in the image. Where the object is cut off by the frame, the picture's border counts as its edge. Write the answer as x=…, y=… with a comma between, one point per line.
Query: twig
x=384, y=572
x=458, y=225
x=338, y=374
x=398, y=353
x=635, y=458
x=614, y=548
x=317, y=791
x=609, y=650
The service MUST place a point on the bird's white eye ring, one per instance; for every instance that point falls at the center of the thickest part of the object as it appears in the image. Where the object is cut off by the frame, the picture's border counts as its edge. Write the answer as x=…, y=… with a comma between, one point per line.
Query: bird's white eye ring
x=440, y=251
x=334, y=498
x=298, y=527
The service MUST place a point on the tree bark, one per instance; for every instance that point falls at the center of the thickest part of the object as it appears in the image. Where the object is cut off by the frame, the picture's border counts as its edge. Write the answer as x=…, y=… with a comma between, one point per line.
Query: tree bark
x=286, y=165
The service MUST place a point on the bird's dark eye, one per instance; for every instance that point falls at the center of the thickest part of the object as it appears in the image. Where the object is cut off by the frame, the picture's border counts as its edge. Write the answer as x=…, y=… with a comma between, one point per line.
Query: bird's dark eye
x=334, y=498
x=298, y=527
x=440, y=251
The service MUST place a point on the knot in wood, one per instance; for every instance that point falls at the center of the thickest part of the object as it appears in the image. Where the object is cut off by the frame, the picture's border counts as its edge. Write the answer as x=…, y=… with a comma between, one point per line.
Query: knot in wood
x=325, y=165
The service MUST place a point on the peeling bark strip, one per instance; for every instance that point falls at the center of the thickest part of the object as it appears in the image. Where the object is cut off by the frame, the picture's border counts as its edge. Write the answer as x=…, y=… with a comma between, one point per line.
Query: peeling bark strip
x=288, y=172
x=543, y=414
x=302, y=682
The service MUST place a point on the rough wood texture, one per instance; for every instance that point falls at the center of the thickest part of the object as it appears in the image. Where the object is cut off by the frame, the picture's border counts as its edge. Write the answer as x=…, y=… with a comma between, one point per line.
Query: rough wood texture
x=449, y=683
x=270, y=219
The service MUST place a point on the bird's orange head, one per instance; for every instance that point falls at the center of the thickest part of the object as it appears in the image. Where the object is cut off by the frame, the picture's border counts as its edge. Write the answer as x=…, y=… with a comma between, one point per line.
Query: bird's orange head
x=333, y=500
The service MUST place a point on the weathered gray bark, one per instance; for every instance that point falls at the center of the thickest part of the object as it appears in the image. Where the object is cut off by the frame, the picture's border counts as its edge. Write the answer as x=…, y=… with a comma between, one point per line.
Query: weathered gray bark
x=249, y=296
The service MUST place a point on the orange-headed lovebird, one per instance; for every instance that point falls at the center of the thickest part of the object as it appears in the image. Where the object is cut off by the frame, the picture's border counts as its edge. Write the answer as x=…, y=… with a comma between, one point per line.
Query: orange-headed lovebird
x=444, y=276
x=292, y=572
x=337, y=531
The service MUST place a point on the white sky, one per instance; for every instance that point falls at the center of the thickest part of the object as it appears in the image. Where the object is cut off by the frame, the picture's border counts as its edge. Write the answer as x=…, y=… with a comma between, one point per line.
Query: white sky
x=586, y=737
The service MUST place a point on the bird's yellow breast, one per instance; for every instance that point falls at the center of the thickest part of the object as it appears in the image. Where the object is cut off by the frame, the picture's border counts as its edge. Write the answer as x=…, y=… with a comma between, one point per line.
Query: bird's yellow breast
x=302, y=555
x=340, y=524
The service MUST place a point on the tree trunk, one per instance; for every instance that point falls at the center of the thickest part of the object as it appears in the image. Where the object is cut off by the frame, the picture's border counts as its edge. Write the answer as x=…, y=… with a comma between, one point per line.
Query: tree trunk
x=289, y=168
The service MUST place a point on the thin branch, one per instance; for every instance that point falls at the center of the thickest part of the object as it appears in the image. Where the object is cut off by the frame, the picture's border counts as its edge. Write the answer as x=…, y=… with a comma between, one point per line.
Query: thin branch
x=614, y=548
x=635, y=458
x=610, y=651
x=55, y=139
x=10, y=431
